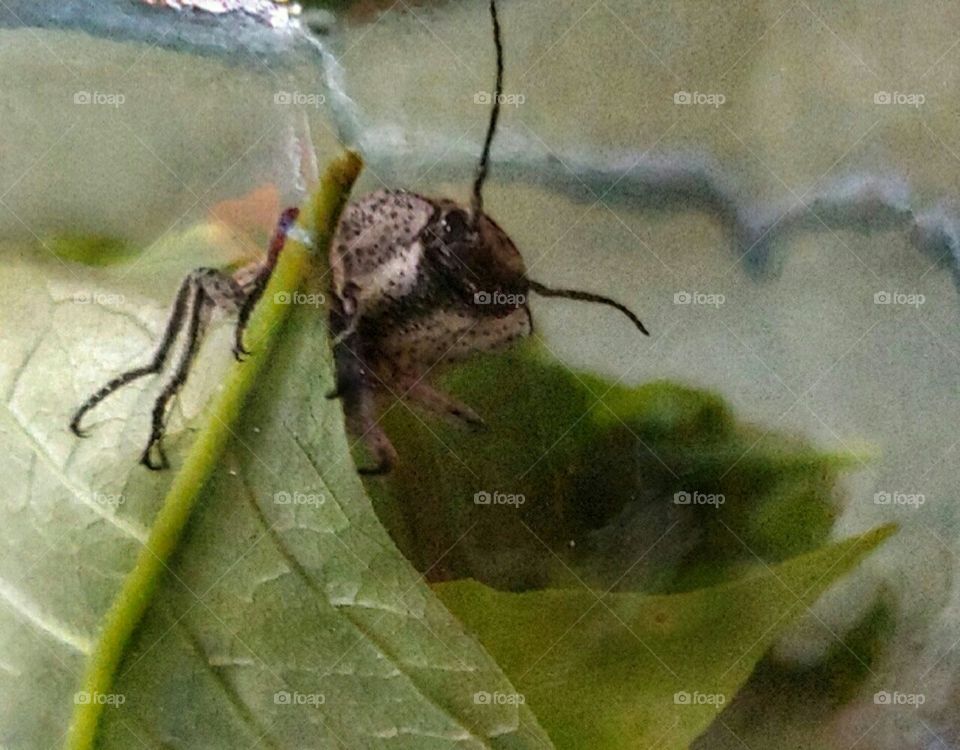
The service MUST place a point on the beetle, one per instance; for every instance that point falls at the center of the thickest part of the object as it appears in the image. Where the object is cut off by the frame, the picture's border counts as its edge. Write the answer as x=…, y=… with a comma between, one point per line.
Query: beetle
x=416, y=282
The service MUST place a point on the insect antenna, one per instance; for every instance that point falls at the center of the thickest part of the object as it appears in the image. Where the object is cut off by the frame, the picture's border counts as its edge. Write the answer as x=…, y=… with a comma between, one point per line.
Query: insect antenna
x=576, y=294
x=483, y=166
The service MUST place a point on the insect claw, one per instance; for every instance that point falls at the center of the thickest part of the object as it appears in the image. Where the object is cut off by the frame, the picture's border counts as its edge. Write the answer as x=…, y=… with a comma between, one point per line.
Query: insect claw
x=239, y=350
x=148, y=461
x=78, y=431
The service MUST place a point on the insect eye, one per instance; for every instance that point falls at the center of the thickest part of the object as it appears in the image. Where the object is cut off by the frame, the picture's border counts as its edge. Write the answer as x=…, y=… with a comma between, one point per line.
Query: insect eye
x=455, y=226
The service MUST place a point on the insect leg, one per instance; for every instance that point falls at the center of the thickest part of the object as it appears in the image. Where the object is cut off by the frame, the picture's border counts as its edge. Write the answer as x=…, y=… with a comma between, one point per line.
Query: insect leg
x=415, y=390
x=174, y=324
x=360, y=410
x=344, y=316
x=199, y=316
x=260, y=281
x=246, y=309
x=357, y=393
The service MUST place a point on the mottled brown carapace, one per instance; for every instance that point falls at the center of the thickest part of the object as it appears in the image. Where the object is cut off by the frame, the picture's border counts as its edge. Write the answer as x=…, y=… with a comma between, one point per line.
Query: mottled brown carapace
x=417, y=282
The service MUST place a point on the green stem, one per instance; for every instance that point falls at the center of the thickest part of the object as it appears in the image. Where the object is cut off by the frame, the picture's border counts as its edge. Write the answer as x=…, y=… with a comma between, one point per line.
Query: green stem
x=295, y=263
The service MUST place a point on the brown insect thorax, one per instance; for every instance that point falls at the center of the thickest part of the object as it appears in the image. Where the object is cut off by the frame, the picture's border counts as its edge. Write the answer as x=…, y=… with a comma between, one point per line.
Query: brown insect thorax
x=417, y=282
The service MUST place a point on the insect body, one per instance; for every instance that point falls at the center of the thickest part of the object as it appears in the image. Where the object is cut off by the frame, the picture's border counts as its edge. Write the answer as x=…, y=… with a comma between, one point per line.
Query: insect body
x=416, y=282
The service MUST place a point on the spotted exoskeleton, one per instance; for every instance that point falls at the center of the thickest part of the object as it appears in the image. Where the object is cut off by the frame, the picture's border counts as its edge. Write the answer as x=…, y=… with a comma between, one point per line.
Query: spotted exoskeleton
x=416, y=282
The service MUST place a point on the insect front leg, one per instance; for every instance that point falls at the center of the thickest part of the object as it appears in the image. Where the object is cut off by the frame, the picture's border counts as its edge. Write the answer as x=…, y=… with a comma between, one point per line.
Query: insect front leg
x=358, y=394
x=213, y=289
x=254, y=287
x=413, y=388
x=348, y=367
x=355, y=385
x=203, y=290
x=359, y=408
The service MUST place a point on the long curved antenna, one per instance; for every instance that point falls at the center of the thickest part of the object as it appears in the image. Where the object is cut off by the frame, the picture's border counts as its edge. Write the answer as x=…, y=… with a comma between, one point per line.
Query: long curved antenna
x=483, y=166
x=587, y=297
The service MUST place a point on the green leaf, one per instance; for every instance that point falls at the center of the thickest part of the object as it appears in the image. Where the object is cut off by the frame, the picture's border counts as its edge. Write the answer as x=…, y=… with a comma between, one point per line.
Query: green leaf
x=598, y=465
x=281, y=615
x=94, y=250
x=138, y=590
x=626, y=670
